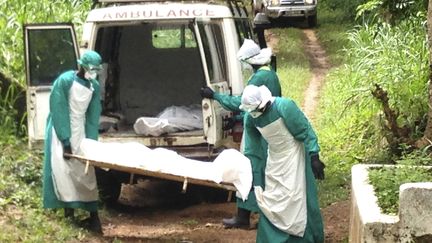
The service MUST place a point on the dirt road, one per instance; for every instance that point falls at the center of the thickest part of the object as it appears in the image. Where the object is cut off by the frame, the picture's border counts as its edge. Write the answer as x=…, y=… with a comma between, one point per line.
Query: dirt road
x=162, y=214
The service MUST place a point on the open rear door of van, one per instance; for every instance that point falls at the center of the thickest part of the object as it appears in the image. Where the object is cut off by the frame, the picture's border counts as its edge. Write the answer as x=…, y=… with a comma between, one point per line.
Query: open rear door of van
x=210, y=37
x=50, y=49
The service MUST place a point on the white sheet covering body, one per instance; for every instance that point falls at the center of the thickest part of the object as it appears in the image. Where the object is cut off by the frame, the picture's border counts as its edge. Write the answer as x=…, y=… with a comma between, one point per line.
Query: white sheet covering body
x=172, y=119
x=230, y=166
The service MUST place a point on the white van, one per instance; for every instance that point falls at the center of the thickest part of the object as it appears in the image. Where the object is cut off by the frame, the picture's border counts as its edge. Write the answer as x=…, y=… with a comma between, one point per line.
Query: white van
x=157, y=55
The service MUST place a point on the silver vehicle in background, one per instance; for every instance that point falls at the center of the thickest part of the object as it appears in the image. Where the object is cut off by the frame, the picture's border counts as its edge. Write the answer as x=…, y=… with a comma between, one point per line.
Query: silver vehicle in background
x=288, y=9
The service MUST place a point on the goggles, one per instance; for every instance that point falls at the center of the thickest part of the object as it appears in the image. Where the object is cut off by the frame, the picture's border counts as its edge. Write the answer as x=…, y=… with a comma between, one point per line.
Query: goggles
x=94, y=68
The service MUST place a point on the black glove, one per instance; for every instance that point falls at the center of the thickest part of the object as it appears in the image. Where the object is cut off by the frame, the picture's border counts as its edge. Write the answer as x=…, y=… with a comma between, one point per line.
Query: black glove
x=228, y=123
x=317, y=167
x=67, y=150
x=206, y=92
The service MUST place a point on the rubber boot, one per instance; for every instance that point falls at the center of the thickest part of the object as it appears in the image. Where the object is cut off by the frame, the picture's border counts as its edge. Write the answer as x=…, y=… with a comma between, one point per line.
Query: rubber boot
x=95, y=224
x=92, y=223
x=241, y=220
x=69, y=213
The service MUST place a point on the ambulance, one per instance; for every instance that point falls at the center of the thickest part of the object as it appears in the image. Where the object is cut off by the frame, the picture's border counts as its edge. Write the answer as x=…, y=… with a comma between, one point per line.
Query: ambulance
x=156, y=56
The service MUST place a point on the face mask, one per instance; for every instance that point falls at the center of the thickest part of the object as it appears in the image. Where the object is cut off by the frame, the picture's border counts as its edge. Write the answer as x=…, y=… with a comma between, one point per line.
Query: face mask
x=90, y=75
x=255, y=113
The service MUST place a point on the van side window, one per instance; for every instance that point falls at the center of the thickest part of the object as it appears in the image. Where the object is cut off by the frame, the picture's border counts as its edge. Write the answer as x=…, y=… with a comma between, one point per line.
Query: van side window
x=214, y=48
x=45, y=68
x=243, y=29
x=176, y=36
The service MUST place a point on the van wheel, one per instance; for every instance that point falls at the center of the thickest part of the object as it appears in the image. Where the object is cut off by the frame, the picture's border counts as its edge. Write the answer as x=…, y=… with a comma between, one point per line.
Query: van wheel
x=312, y=21
x=109, y=186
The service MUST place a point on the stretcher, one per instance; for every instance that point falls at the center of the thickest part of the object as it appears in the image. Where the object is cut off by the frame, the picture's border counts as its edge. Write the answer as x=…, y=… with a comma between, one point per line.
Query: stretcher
x=140, y=171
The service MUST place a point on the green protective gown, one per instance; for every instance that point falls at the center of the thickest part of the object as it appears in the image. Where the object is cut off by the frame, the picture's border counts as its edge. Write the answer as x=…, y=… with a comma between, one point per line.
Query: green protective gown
x=263, y=76
x=300, y=129
x=59, y=118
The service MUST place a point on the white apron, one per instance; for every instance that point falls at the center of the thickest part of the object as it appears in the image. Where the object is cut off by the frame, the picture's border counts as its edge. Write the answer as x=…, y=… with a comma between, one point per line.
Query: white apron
x=284, y=199
x=71, y=184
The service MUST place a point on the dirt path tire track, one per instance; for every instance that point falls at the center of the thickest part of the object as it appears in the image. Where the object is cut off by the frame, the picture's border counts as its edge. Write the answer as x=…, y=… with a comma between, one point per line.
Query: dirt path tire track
x=320, y=65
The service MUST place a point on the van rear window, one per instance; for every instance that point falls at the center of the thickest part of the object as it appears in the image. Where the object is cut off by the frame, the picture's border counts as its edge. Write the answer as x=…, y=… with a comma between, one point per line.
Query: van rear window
x=173, y=37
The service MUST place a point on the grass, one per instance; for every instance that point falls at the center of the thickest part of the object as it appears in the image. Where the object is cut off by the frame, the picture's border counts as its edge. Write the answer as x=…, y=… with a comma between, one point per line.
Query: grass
x=387, y=181
x=22, y=218
x=350, y=122
x=292, y=63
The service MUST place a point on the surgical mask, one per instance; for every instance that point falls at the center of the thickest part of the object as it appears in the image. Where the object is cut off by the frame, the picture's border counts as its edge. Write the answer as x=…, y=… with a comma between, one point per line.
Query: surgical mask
x=90, y=75
x=255, y=113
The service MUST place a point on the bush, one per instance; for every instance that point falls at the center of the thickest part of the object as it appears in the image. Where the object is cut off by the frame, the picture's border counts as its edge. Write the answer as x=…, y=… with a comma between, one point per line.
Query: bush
x=350, y=124
x=386, y=181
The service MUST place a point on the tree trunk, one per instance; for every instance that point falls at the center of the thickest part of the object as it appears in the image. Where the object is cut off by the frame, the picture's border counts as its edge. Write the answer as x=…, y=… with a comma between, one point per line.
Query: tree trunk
x=427, y=136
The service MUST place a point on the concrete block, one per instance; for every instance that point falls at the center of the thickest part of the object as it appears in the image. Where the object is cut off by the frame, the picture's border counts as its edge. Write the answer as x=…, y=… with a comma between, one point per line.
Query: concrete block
x=415, y=212
x=369, y=224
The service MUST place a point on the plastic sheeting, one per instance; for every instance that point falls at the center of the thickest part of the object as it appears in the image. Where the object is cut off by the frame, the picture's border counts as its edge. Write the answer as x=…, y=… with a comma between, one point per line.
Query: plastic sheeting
x=230, y=166
x=172, y=119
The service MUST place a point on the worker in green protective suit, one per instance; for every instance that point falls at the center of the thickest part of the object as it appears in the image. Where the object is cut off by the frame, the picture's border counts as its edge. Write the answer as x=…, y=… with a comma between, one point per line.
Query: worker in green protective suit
x=289, y=210
x=251, y=56
x=74, y=114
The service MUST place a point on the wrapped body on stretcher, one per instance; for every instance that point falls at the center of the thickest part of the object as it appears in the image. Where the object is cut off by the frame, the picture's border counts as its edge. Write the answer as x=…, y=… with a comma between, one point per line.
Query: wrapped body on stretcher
x=171, y=119
x=230, y=166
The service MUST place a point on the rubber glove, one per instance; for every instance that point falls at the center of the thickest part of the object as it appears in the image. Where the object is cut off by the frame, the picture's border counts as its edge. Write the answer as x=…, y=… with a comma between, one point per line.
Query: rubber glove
x=66, y=149
x=317, y=167
x=206, y=92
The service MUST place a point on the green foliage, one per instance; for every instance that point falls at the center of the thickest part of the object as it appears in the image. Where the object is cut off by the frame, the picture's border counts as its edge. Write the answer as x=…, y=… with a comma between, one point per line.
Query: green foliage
x=17, y=13
x=20, y=180
x=392, y=11
x=338, y=11
x=22, y=218
x=30, y=225
x=13, y=14
x=333, y=39
x=386, y=181
x=8, y=125
x=396, y=58
x=349, y=124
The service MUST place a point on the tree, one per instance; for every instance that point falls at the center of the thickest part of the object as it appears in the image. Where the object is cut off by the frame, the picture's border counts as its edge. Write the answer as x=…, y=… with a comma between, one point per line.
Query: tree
x=391, y=11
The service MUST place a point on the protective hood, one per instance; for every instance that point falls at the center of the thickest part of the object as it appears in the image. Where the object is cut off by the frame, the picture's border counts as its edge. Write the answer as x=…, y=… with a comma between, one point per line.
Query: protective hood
x=263, y=58
x=91, y=60
x=251, y=53
x=248, y=50
x=255, y=97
